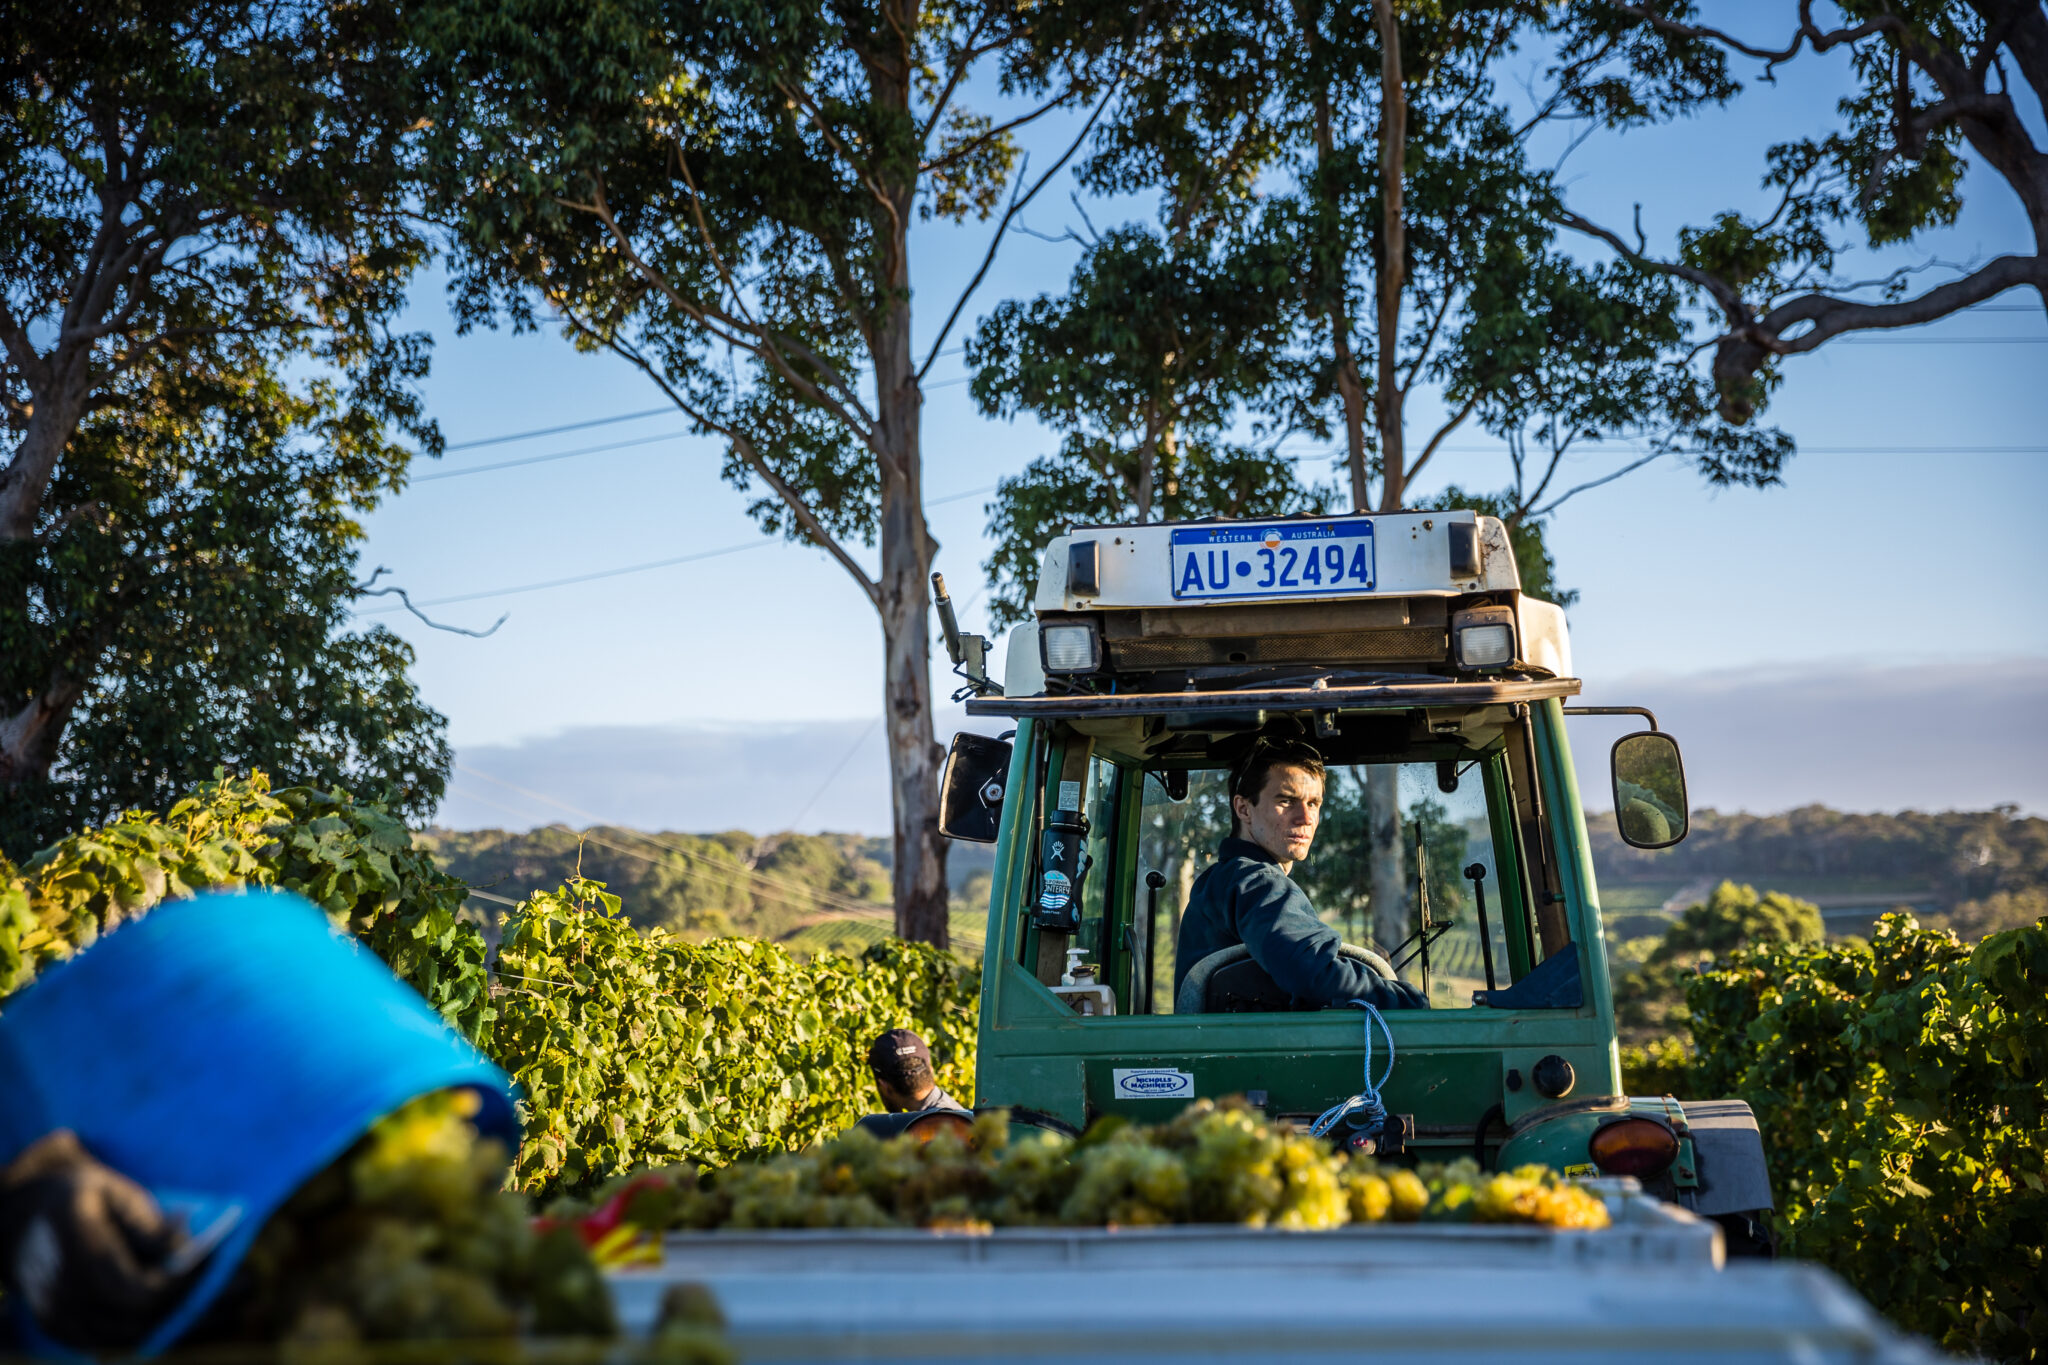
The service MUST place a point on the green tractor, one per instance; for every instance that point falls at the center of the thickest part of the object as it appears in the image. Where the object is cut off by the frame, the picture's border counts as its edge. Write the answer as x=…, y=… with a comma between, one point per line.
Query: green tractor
x=1402, y=648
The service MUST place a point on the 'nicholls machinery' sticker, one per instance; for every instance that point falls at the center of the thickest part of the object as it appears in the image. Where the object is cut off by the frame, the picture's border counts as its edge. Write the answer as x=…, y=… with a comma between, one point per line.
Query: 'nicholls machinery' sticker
x=1153, y=1083
x=1056, y=892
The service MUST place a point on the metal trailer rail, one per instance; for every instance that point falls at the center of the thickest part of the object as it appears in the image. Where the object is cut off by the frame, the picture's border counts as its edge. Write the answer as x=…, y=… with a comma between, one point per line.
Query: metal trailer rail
x=1652, y=1283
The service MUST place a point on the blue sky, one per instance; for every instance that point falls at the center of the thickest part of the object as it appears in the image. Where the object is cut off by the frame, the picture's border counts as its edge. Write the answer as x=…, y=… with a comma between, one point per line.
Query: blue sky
x=1868, y=634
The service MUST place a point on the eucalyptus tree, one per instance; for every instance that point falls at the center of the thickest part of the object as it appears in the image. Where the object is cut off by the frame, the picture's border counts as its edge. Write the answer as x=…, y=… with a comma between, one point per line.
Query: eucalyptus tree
x=1368, y=143
x=214, y=571
x=1143, y=367
x=201, y=197
x=1939, y=84
x=724, y=195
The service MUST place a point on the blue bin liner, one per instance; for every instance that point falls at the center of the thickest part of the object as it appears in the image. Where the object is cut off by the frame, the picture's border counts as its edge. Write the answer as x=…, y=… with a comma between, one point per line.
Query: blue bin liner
x=220, y=1051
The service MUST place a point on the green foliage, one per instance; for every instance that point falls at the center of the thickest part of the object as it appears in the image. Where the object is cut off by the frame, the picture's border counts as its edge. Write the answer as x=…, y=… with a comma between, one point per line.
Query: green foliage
x=212, y=586
x=207, y=240
x=1922, y=90
x=1902, y=1090
x=630, y=1047
x=1252, y=305
x=1662, y=1066
x=1649, y=1001
x=640, y=1049
x=1140, y=366
x=723, y=196
x=353, y=860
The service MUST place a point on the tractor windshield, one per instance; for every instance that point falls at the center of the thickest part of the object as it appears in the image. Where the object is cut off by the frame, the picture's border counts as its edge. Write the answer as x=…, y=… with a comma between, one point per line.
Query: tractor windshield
x=1448, y=829
x=1156, y=818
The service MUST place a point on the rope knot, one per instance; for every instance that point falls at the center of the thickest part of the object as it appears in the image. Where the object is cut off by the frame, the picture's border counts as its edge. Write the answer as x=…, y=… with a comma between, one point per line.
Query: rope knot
x=1363, y=1111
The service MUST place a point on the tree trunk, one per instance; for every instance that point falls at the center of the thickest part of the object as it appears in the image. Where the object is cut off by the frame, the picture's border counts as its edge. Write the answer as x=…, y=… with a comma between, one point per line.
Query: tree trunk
x=1350, y=386
x=28, y=738
x=26, y=478
x=918, y=872
x=1383, y=834
x=1388, y=400
x=918, y=869
x=1382, y=792
x=1148, y=463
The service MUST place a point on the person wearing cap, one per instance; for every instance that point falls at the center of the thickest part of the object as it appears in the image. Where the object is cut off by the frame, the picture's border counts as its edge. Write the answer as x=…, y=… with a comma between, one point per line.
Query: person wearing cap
x=902, y=1067
x=1246, y=896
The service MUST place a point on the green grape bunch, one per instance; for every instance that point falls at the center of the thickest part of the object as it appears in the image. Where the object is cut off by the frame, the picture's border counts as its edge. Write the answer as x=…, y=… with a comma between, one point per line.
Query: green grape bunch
x=1212, y=1163
x=408, y=1237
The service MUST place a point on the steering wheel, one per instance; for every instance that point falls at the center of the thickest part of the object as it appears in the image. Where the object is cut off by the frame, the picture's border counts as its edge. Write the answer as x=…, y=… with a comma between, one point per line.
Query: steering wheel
x=1383, y=968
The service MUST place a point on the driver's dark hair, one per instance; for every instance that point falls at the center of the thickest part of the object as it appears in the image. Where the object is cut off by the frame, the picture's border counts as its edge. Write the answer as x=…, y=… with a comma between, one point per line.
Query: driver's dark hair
x=908, y=1074
x=1248, y=778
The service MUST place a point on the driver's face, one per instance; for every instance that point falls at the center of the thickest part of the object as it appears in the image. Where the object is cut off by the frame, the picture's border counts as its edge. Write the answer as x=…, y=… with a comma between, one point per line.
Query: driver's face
x=1283, y=820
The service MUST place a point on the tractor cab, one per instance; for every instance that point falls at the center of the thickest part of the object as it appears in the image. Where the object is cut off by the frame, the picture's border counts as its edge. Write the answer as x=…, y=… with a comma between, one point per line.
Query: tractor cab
x=1402, y=650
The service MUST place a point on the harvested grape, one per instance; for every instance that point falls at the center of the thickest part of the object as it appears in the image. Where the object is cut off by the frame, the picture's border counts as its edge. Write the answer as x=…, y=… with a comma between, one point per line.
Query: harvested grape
x=1212, y=1163
x=408, y=1238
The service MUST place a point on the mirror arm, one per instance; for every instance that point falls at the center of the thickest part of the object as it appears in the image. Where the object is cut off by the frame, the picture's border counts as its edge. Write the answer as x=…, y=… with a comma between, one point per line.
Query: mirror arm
x=969, y=653
x=1642, y=711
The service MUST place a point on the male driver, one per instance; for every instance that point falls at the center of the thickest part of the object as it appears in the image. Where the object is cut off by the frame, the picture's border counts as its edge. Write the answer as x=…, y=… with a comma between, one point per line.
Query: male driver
x=1246, y=896
x=902, y=1066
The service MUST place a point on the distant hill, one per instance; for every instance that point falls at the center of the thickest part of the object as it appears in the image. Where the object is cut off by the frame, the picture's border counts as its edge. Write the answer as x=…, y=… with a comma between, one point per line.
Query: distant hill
x=1952, y=863
x=818, y=892
x=811, y=891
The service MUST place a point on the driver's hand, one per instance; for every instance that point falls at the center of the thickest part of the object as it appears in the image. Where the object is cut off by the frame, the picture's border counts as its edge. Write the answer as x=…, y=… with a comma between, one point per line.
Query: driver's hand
x=83, y=1246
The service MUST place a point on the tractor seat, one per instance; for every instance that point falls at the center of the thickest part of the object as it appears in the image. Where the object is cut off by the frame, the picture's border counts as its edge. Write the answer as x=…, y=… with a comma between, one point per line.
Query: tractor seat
x=1227, y=981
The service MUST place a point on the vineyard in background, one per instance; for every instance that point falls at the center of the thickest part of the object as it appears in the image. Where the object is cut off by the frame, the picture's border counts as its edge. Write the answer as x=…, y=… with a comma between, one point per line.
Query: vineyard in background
x=1901, y=1085
x=631, y=1047
x=1901, y=1082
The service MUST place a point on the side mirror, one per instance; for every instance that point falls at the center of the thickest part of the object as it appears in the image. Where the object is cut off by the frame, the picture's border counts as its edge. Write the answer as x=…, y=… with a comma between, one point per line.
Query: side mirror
x=971, y=790
x=1650, y=807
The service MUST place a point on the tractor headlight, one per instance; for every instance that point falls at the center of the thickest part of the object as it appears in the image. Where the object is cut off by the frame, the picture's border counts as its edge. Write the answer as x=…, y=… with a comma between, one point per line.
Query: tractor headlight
x=1069, y=647
x=1483, y=637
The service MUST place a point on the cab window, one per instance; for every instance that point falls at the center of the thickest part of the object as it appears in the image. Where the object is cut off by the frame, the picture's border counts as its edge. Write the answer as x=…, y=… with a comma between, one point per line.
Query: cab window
x=1443, y=833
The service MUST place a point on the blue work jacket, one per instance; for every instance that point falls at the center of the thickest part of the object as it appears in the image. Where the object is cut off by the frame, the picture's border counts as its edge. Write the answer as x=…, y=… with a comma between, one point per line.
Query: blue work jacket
x=1244, y=897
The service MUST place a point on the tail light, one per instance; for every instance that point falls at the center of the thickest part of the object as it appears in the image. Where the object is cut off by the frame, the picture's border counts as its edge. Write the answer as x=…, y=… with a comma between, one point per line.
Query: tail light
x=1637, y=1146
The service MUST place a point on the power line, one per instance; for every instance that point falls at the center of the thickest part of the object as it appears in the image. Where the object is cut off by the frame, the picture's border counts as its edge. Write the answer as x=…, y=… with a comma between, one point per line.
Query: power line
x=590, y=577
x=558, y=455
x=556, y=431
x=597, y=421
x=1938, y=341
x=636, y=568
x=585, y=425
x=955, y=497
x=1611, y=449
x=833, y=776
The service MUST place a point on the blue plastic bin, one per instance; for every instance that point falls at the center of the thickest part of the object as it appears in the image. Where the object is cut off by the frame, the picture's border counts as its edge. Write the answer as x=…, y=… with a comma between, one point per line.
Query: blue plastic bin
x=220, y=1051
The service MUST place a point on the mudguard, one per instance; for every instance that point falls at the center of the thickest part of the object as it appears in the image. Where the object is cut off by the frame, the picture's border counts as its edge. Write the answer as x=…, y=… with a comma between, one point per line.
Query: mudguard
x=1730, y=1151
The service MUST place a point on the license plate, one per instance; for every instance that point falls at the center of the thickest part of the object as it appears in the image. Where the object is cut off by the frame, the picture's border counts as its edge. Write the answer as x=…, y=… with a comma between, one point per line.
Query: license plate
x=1296, y=559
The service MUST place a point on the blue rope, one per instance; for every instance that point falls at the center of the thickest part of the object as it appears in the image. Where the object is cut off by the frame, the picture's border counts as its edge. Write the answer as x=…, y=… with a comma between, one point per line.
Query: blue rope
x=1372, y=1115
